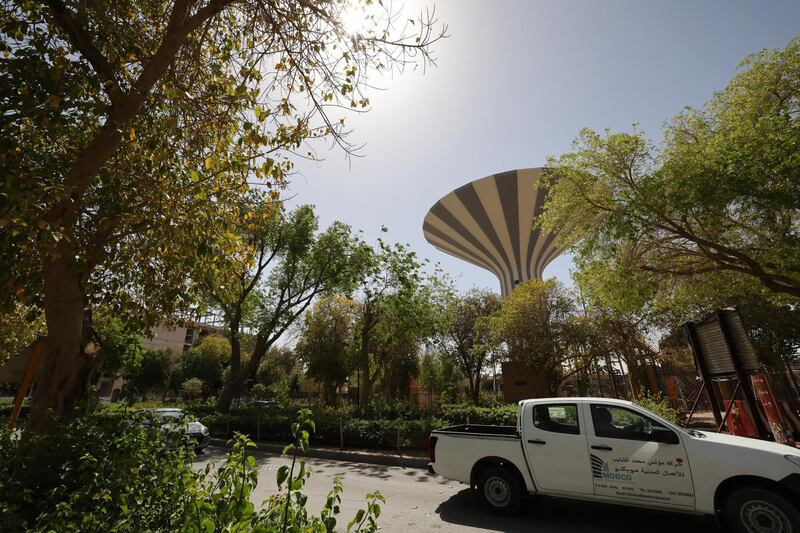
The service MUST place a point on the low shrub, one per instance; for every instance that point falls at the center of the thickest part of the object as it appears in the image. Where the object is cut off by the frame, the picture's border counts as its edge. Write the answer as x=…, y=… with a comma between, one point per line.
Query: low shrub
x=99, y=473
x=377, y=427
x=660, y=406
x=461, y=413
x=108, y=473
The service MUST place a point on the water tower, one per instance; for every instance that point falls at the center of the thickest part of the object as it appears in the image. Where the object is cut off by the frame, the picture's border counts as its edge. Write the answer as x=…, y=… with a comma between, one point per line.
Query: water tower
x=488, y=222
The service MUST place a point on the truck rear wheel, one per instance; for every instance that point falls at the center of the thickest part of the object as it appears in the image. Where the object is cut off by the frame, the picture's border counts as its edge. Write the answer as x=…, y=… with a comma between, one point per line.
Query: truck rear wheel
x=758, y=510
x=500, y=490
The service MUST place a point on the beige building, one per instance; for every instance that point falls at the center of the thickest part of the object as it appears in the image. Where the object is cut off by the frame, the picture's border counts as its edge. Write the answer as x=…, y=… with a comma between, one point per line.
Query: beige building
x=179, y=338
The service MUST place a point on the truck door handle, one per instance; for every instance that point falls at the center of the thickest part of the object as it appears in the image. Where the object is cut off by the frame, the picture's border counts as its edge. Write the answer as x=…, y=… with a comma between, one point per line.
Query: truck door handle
x=603, y=447
x=536, y=441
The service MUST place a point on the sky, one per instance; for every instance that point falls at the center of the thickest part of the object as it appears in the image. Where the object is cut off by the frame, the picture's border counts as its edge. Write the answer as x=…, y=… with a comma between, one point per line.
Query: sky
x=514, y=83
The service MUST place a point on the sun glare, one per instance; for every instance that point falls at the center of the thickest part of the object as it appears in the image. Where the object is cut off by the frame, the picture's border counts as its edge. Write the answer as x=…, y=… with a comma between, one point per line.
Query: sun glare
x=355, y=18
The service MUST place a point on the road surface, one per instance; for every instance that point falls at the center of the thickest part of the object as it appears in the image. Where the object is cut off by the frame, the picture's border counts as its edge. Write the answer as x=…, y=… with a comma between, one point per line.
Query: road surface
x=418, y=502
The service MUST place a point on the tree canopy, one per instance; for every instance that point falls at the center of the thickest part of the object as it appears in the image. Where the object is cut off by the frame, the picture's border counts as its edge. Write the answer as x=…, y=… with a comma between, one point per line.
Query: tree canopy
x=290, y=264
x=129, y=129
x=467, y=337
x=326, y=343
x=714, y=208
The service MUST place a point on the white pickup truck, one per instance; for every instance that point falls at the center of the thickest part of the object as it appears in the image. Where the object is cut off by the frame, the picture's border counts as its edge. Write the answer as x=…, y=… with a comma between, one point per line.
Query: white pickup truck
x=616, y=452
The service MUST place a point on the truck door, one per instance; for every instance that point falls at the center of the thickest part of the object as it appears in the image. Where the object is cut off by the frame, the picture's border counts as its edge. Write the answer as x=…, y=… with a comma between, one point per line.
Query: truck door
x=634, y=457
x=556, y=447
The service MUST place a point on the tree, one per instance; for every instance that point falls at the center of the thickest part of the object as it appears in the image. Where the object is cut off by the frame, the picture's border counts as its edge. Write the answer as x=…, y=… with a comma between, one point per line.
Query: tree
x=275, y=371
x=258, y=391
x=468, y=338
x=535, y=322
x=397, y=306
x=120, y=344
x=716, y=206
x=293, y=265
x=325, y=343
x=192, y=388
x=127, y=129
x=206, y=361
x=154, y=372
x=438, y=373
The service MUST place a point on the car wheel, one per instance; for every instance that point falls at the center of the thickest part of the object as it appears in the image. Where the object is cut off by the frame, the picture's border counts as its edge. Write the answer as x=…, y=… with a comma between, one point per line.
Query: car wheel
x=499, y=489
x=757, y=510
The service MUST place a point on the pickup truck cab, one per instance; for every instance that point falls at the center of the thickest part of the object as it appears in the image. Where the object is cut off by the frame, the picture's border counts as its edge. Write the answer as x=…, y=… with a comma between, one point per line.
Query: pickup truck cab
x=614, y=451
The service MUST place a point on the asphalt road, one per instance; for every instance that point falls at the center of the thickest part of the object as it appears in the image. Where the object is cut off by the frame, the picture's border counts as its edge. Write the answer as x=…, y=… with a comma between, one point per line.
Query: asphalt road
x=419, y=502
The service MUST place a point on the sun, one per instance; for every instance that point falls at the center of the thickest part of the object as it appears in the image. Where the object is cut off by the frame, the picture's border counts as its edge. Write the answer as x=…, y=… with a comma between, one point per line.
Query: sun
x=355, y=18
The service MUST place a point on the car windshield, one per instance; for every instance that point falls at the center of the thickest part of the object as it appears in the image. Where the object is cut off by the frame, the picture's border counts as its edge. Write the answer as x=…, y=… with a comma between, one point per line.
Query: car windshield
x=171, y=415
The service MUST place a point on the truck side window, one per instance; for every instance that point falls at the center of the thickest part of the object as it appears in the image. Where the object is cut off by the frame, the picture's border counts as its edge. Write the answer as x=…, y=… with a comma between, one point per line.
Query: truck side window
x=558, y=418
x=615, y=422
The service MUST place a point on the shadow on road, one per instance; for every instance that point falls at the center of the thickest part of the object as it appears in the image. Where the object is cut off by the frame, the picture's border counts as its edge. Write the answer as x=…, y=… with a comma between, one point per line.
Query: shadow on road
x=544, y=515
x=327, y=467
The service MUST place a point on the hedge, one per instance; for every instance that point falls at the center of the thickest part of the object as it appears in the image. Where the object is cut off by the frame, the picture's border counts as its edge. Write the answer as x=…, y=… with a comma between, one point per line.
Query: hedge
x=375, y=429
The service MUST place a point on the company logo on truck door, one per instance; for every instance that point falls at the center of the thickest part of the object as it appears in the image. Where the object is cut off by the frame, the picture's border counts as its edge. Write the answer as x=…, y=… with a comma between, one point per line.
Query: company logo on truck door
x=600, y=470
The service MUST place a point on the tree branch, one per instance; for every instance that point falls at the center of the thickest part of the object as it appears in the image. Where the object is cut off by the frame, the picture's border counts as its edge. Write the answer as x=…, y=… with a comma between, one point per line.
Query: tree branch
x=83, y=42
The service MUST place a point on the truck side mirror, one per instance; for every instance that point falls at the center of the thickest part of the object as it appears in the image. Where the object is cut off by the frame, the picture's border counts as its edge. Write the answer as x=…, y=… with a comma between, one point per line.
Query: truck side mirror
x=664, y=435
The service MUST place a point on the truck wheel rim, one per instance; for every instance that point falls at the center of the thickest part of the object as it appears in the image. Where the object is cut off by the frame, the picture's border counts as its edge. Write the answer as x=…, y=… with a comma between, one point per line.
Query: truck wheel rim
x=497, y=491
x=762, y=517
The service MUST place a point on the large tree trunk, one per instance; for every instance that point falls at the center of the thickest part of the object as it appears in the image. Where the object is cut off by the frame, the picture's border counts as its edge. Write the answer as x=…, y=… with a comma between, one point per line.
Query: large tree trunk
x=236, y=380
x=71, y=362
x=364, y=390
x=475, y=388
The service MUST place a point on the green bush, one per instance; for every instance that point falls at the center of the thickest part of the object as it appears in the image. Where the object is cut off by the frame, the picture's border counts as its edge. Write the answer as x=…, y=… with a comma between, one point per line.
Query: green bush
x=99, y=473
x=106, y=472
x=460, y=413
x=660, y=406
x=377, y=427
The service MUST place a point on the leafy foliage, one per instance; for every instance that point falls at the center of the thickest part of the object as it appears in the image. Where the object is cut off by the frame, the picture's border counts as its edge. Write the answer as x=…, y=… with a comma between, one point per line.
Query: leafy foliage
x=399, y=306
x=326, y=343
x=467, y=337
x=192, y=388
x=98, y=473
x=205, y=362
x=534, y=321
x=132, y=130
x=713, y=210
x=154, y=372
x=120, y=344
x=108, y=473
x=660, y=406
x=20, y=326
x=292, y=265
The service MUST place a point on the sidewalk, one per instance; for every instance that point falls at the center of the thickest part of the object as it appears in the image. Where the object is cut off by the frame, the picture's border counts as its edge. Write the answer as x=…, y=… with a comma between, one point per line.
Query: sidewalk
x=410, y=459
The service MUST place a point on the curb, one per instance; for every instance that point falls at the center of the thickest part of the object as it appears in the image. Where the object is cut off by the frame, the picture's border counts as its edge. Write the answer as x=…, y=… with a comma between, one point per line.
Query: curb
x=374, y=458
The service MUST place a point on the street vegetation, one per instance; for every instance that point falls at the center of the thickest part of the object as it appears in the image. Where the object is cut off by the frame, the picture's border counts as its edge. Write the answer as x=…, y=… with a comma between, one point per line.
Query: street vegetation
x=145, y=151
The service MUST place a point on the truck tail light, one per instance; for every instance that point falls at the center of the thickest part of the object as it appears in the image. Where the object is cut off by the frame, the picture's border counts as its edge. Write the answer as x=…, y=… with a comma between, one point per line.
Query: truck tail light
x=432, y=448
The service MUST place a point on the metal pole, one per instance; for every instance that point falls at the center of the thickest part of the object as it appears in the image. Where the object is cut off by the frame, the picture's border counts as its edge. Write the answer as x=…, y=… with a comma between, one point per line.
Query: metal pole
x=696, y=401
x=341, y=435
x=730, y=407
x=258, y=426
x=37, y=351
x=399, y=421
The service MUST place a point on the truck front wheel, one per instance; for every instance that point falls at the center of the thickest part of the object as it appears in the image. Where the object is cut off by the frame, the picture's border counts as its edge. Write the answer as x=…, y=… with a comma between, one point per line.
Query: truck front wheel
x=499, y=489
x=758, y=510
